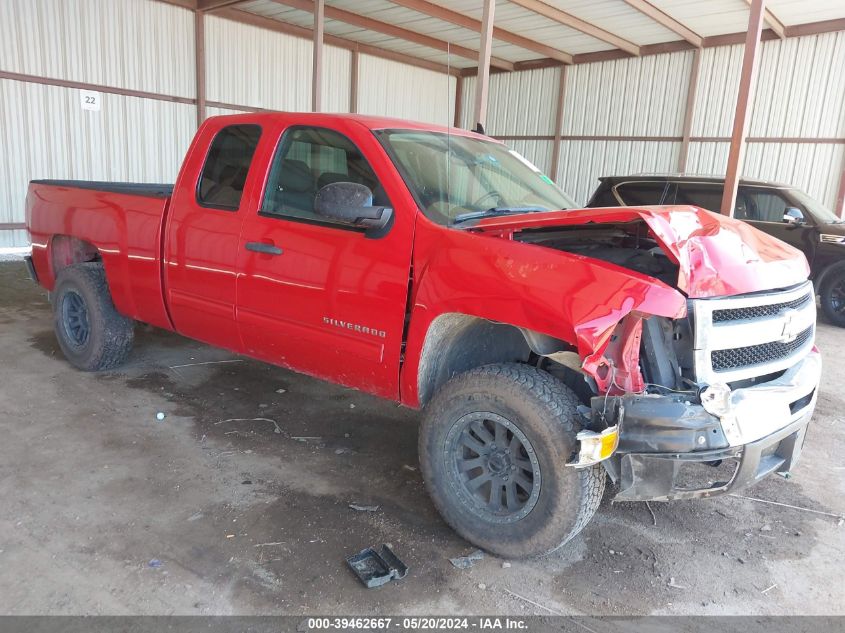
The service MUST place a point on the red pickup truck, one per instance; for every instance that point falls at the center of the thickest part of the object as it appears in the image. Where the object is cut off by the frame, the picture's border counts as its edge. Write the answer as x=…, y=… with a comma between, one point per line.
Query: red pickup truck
x=668, y=348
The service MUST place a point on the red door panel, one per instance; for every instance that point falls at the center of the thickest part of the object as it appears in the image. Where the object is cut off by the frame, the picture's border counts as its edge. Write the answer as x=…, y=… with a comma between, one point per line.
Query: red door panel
x=332, y=302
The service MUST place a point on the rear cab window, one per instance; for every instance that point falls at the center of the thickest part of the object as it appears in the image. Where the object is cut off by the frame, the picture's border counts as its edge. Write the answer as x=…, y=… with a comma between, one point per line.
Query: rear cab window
x=221, y=183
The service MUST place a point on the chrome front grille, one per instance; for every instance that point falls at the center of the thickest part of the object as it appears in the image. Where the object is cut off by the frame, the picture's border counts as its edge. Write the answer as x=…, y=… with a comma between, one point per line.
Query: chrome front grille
x=727, y=359
x=758, y=312
x=752, y=335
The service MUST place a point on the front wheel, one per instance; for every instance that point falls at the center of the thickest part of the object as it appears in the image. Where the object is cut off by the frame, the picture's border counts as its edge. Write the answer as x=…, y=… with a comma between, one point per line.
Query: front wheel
x=494, y=442
x=832, y=295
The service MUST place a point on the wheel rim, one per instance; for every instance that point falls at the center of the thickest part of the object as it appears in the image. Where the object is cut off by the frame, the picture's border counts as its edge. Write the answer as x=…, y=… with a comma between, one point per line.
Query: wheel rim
x=75, y=318
x=837, y=296
x=493, y=466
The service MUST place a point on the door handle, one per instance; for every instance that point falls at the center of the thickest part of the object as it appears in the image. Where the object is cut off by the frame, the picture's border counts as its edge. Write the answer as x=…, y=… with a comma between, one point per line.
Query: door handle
x=261, y=247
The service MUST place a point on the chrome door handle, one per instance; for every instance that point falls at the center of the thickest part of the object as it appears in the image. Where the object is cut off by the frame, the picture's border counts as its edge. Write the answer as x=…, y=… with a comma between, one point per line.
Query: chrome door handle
x=261, y=247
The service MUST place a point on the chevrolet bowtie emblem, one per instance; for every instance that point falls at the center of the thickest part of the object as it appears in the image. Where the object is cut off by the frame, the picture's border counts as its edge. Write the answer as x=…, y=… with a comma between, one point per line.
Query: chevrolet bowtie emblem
x=790, y=326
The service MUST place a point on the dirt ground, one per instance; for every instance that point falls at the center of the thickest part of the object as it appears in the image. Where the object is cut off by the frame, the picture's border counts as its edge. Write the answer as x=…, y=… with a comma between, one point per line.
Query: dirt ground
x=107, y=510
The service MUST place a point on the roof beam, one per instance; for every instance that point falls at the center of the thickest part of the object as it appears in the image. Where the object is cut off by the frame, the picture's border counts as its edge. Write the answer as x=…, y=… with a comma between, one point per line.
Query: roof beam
x=259, y=21
x=461, y=19
x=774, y=23
x=210, y=6
x=663, y=19
x=371, y=24
x=561, y=17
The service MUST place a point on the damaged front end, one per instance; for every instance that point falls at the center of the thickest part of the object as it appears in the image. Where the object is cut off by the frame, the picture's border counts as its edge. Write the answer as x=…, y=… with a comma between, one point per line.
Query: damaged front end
x=728, y=392
x=714, y=397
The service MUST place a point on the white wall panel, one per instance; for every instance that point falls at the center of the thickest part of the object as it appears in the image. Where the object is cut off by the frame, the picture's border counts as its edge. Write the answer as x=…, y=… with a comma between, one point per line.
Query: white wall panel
x=643, y=96
x=521, y=102
x=583, y=162
x=801, y=88
x=389, y=88
x=708, y=158
x=808, y=166
x=46, y=134
x=247, y=65
x=133, y=44
x=717, y=90
x=538, y=152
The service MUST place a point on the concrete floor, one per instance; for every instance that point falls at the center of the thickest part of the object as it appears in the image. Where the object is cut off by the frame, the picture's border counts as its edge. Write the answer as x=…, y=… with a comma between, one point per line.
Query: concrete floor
x=244, y=518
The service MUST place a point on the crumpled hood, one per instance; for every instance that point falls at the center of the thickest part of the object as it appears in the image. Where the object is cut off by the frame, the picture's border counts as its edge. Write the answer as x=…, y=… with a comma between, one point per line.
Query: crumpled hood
x=717, y=256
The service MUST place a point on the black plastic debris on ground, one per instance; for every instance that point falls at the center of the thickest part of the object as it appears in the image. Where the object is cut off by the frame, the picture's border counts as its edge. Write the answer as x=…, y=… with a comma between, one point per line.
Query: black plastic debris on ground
x=375, y=568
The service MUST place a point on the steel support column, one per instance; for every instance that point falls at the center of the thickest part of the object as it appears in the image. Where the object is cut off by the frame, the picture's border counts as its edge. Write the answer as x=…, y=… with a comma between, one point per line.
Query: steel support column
x=317, y=68
x=482, y=83
x=683, y=156
x=746, y=95
x=199, y=59
x=561, y=95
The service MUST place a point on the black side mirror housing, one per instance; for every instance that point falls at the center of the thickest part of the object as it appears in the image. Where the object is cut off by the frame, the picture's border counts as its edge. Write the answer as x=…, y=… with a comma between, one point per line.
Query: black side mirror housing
x=793, y=216
x=352, y=204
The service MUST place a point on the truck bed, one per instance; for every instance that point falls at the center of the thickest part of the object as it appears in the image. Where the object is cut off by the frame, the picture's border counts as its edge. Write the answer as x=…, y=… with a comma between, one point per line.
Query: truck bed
x=148, y=190
x=119, y=221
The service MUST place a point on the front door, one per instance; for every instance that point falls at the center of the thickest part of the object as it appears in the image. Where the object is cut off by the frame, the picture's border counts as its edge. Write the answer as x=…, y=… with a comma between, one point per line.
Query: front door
x=314, y=295
x=766, y=207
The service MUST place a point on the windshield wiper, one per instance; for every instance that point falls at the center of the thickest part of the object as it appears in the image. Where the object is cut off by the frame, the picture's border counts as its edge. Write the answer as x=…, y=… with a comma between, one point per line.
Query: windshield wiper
x=493, y=212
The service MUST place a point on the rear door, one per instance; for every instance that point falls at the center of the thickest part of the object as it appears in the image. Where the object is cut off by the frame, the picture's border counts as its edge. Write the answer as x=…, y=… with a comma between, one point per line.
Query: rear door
x=204, y=224
x=317, y=296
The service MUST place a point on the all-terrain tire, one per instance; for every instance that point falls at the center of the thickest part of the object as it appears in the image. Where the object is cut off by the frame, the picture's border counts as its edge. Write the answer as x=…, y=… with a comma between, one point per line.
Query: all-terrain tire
x=93, y=335
x=543, y=410
x=832, y=295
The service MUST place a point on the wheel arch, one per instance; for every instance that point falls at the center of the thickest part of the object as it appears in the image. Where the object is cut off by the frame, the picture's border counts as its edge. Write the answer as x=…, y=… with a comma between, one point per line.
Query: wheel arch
x=456, y=342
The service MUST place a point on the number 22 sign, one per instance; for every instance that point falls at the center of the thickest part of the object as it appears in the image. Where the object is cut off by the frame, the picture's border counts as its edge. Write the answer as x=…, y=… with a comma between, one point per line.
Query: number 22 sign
x=89, y=100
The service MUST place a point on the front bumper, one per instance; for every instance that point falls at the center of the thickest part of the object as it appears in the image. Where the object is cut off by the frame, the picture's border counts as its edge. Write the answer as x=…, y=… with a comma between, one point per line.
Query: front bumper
x=665, y=439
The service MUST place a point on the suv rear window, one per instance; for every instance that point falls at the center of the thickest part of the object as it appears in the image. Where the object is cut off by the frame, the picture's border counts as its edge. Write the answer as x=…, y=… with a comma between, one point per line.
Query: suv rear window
x=643, y=193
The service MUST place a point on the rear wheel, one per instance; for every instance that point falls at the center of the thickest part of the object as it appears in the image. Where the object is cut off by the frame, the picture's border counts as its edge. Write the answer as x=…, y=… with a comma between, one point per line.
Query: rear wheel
x=493, y=447
x=90, y=331
x=832, y=295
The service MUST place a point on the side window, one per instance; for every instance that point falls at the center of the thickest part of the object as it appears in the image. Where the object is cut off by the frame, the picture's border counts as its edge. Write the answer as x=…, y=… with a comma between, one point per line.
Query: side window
x=307, y=160
x=766, y=205
x=642, y=193
x=702, y=195
x=223, y=177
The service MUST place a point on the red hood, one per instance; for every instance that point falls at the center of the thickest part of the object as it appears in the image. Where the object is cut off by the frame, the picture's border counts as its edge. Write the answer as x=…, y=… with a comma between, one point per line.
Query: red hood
x=717, y=255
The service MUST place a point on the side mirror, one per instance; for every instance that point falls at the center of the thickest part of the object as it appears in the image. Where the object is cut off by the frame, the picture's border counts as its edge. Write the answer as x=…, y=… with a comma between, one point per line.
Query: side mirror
x=793, y=216
x=351, y=203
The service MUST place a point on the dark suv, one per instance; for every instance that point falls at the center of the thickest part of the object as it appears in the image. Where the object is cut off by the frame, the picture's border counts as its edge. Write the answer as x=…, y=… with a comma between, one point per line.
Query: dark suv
x=780, y=210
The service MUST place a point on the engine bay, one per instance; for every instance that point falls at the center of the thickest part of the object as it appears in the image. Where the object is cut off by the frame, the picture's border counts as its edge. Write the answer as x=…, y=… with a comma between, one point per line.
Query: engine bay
x=629, y=245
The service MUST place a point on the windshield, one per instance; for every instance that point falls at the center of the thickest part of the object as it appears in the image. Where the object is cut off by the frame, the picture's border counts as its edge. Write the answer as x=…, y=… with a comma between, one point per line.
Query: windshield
x=820, y=213
x=455, y=178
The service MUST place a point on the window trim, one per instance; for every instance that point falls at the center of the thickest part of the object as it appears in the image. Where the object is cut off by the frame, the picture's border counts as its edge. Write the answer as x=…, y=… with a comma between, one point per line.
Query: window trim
x=224, y=207
x=315, y=221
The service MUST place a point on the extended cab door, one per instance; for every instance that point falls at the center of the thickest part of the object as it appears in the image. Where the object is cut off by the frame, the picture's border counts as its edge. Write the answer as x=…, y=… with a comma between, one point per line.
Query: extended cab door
x=314, y=295
x=203, y=227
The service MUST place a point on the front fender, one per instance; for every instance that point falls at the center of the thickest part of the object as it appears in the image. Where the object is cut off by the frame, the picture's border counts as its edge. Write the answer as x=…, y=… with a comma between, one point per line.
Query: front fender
x=569, y=297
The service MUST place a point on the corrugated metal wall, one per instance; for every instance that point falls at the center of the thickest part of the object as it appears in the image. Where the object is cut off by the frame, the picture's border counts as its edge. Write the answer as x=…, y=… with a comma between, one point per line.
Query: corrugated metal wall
x=800, y=94
x=638, y=97
x=45, y=133
x=149, y=46
x=279, y=76
x=388, y=88
x=619, y=116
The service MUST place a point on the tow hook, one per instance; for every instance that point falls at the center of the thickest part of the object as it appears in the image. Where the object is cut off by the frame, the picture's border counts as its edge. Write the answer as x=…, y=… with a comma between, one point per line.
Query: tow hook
x=596, y=447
